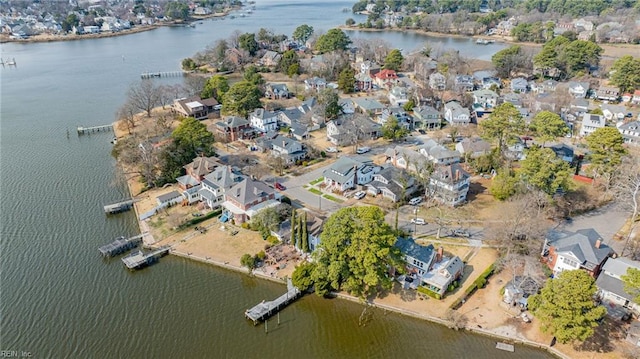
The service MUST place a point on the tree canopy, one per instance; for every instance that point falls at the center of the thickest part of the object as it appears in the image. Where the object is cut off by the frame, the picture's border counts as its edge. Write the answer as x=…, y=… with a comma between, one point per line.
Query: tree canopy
x=289, y=58
x=330, y=100
x=625, y=73
x=504, y=123
x=242, y=98
x=567, y=57
x=176, y=10
x=216, y=86
x=548, y=126
x=566, y=308
x=545, y=171
x=334, y=39
x=248, y=43
x=355, y=253
x=394, y=60
x=507, y=60
x=606, y=150
x=302, y=33
x=631, y=282
x=391, y=130
x=347, y=80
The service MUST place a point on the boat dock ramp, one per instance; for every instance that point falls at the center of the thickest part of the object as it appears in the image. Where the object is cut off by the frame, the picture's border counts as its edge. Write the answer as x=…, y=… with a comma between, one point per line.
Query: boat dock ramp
x=120, y=245
x=265, y=309
x=102, y=128
x=150, y=75
x=118, y=207
x=139, y=259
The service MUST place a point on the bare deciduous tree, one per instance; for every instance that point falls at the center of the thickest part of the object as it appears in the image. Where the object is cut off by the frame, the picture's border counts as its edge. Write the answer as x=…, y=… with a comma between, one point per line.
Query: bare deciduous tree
x=127, y=116
x=627, y=188
x=144, y=96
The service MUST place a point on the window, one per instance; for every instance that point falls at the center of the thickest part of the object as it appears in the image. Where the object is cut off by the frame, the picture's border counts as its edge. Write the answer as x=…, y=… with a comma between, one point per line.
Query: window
x=570, y=262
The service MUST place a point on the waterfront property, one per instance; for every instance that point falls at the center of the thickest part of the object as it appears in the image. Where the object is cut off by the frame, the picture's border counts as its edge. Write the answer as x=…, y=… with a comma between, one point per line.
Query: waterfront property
x=584, y=249
x=139, y=259
x=263, y=310
x=611, y=287
x=120, y=245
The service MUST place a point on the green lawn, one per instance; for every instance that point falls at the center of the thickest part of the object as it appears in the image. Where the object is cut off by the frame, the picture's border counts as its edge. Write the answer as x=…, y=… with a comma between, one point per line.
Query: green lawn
x=332, y=198
x=314, y=191
x=315, y=182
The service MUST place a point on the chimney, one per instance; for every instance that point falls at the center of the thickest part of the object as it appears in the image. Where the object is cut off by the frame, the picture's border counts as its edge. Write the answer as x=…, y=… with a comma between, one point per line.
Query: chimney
x=238, y=192
x=355, y=177
x=439, y=254
x=598, y=242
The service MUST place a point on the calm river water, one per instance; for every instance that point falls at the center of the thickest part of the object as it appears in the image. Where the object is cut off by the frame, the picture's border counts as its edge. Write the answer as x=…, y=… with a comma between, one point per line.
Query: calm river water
x=59, y=299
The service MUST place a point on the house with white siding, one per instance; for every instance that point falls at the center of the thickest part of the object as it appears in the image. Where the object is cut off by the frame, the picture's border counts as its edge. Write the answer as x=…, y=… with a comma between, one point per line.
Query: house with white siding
x=263, y=120
x=348, y=172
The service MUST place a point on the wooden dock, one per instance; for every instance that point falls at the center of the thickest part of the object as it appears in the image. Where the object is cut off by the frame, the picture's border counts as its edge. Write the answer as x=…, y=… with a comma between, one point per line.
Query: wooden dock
x=139, y=259
x=101, y=128
x=150, y=75
x=505, y=347
x=265, y=309
x=118, y=207
x=120, y=245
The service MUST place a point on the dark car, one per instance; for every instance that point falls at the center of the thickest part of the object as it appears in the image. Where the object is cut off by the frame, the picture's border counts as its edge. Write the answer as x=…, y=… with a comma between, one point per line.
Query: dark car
x=422, y=132
x=279, y=187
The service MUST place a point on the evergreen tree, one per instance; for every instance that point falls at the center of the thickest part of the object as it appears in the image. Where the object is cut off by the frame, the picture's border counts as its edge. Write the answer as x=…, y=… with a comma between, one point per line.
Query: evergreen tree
x=304, y=237
x=292, y=240
x=299, y=233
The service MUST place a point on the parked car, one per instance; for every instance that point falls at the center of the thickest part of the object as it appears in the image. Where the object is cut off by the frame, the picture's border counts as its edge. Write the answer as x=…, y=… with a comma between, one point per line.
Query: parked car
x=362, y=150
x=422, y=132
x=460, y=233
x=415, y=201
x=359, y=195
x=332, y=150
x=419, y=221
x=279, y=187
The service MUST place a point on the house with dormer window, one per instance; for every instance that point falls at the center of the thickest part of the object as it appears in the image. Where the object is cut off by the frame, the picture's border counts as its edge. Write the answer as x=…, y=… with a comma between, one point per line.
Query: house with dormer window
x=386, y=78
x=455, y=114
x=246, y=198
x=196, y=170
x=391, y=183
x=449, y=184
x=407, y=158
x=214, y=185
x=584, y=249
x=289, y=149
x=263, y=120
x=438, y=154
x=630, y=132
x=427, y=117
x=590, y=123
x=348, y=172
x=437, y=81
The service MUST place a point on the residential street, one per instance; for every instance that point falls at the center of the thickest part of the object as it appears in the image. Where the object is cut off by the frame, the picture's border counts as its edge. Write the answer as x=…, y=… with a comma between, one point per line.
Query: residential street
x=297, y=193
x=606, y=221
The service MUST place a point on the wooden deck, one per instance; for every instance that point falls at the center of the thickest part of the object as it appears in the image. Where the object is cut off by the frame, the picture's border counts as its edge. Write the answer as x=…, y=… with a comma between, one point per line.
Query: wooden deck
x=120, y=245
x=265, y=309
x=118, y=207
x=139, y=259
x=101, y=128
x=505, y=347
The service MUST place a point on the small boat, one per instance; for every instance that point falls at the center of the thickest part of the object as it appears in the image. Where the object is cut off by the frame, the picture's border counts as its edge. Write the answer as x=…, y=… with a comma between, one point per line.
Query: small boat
x=12, y=62
x=484, y=42
x=114, y=140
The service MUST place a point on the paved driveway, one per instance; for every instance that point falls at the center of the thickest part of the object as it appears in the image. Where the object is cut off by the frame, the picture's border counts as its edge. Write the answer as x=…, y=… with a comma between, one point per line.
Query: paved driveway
x=606, y=220
x=296, y=191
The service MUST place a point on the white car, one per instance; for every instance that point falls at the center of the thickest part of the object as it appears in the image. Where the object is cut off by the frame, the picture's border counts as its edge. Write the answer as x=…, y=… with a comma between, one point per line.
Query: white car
x=362, y=150
x=415, y=201
x=359, y=195
x=419, y=221
x=332, y=150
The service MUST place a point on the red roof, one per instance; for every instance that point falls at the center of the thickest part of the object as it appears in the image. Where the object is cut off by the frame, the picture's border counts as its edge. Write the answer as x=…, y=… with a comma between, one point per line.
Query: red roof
x=386, y=74
x=636, y=93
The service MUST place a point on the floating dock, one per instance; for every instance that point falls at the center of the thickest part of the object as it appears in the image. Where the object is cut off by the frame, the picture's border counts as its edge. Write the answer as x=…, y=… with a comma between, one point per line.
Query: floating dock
x=120, y=245
x=266, y=309
x=118, y=207
x=101, y=128
x=139, y=259
x=506, y=347
x=150, y=75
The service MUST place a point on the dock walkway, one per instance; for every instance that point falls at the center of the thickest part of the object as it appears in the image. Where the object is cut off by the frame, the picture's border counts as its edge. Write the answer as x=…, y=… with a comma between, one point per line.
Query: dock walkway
x=139, y=259
x=120, y=245
x=118, y=207
x=101, y=128
x=265, y=309
x=149, y=75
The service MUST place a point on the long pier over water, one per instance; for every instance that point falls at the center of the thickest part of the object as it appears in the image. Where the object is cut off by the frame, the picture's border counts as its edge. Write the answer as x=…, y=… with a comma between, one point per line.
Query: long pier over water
x=265, y=309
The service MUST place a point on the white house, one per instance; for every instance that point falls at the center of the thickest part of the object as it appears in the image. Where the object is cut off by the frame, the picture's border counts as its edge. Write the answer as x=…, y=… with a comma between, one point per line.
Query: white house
x=578, y=89
x=455, y=114
x=584, y=249
x=407, y=158
x=263, y=120
x=590, y=123
x=418, y=258
x=214, y=185
x=392, y=183
x=347, y=172
x=398, y=96
x=438, y=154
x=610, y=286
x=630, y=132
x=473, y=147
x=288, y=149
x=485, y=98
x=169, y=199
x=437, y=81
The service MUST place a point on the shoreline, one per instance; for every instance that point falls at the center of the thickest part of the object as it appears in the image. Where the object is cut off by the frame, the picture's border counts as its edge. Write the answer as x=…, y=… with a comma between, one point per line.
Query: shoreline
x=43, y=38
x=609, y=49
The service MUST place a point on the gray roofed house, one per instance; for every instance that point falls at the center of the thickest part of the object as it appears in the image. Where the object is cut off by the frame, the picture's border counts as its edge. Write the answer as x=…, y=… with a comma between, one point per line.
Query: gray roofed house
x=215, y=184
x=583, y=249
x=630, y=132
x=368, y=105
x=347, y=172
x=404, y=119
x=613, y=112
x=299, y=131
x=579, y=105
x=270, y=58
x=449, y=184
x=488, y=82
x=389, y=182
x=442, y=274
x=169, y=199
x=196, y=170
x=246, y=198
x=264, y=120
x=406, y=158
x=464, y=82
x=473, y=147
x=398, y=96
x=519, y=84
x=513, y=98
x=233, y=128
x=427, y=117
x=590, y=123
x=276, y=91
x=288, y=148
x=610, y=285
x=438, y=154
x=563, y=151
x=578, y=89
x=343, y=130
x=288, y=116
x=437, y=81
x=455, y=114
x=315, y=83
x=418, y=258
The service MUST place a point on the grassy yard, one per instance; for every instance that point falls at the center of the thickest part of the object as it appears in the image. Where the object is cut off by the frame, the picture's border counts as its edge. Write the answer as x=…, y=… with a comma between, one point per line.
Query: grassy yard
x=314, y=191
x=315, y=182
x=332, y=198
